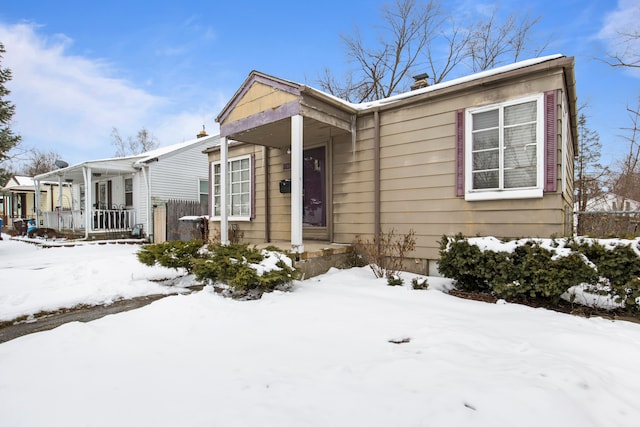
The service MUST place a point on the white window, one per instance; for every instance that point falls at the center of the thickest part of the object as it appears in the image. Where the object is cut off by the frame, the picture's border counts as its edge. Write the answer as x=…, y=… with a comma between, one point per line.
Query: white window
x=239, y=187
x=128, y=192
x=504, y=150
x=204, y=191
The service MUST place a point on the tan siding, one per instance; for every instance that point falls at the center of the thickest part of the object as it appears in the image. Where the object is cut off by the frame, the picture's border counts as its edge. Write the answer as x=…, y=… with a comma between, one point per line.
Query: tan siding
x=258, y=98
x=418, y=178
x=417, y=167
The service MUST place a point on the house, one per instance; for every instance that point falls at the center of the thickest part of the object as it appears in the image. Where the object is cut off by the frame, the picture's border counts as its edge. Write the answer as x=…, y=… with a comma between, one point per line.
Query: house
x=115, y=197
x=608, y=214
x=20, y=200
x=487, y=154
x=611, y=202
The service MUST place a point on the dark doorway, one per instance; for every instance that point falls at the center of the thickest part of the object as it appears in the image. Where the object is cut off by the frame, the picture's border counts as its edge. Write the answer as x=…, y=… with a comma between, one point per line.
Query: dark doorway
x=314, y=188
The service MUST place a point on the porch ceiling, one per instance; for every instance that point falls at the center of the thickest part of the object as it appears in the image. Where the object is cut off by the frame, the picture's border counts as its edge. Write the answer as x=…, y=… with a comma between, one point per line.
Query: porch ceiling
x=278, y=134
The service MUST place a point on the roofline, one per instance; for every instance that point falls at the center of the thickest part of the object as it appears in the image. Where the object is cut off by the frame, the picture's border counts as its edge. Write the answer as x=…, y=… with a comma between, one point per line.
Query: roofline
x=183, y=146
x=483, y=77
x=282, y=84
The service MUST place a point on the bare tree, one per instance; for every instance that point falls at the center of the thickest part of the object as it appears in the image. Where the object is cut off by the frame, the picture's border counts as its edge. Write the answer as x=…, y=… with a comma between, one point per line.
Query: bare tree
x=418, y=36
x=493, y=43
x=627, y=182
x=628, y=54
x=381, y=70
x=143, y=142
x=39, y=162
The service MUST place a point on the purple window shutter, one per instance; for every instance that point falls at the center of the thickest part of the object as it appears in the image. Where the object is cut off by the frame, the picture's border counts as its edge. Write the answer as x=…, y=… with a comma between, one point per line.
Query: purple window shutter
x=460, y=153
x=550, y=141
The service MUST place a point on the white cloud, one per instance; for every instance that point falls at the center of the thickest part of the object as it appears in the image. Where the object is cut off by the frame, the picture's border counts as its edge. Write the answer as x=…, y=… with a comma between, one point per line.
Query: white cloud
x=619, y=28
x=68, y=103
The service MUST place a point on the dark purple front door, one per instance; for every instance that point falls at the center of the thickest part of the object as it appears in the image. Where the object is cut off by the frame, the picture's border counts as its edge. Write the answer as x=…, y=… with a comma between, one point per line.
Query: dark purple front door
x=314, y=187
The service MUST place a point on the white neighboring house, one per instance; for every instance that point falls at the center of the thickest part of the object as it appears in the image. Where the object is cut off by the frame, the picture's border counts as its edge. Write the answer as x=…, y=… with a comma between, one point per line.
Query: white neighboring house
x=116, y=196
x=611, y=202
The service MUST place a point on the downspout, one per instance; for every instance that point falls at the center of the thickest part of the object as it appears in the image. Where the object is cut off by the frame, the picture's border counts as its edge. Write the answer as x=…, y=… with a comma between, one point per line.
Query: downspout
x=376, y=174
x=267, y=214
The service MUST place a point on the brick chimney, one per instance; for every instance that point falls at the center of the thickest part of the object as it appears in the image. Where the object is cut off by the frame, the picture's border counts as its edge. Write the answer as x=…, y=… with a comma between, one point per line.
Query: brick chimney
x=202, y=133
x=420, y=81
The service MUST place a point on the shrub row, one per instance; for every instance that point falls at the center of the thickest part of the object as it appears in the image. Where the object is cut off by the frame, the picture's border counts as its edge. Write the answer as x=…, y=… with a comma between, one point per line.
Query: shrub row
x=237, y=270
x=544, y=268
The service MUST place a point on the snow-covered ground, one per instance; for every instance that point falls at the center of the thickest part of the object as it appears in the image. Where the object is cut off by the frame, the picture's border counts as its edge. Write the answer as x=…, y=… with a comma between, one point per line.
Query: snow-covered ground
x=321, y=355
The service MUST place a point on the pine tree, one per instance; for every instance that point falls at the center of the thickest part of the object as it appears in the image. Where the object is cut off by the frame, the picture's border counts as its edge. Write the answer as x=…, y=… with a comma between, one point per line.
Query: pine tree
x=589, y=172
x=8, y=139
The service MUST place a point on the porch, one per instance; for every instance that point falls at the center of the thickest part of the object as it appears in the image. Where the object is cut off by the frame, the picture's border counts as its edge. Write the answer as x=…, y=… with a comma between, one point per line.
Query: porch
x=115, y=220
x=298, y=129
x=102, y=202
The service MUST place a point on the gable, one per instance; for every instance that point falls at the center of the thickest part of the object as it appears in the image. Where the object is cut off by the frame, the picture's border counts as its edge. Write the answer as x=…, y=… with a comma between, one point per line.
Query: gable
x=258, y=98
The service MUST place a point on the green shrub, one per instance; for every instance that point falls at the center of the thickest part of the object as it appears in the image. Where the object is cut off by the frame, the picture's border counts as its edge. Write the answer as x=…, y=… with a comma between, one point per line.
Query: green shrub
x=533, y=270
x=237, y=268
x=420, y=283
x=619, y=266
x=394, y=280
x=471, y=268
x=174, y=254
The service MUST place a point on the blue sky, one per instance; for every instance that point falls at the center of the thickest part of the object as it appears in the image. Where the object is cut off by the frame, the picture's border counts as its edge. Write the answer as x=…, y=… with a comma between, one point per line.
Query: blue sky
x=80, y=68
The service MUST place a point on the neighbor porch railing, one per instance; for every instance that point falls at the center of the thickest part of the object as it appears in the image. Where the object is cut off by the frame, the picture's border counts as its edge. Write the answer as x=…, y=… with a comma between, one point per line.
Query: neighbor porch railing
x=101, y=220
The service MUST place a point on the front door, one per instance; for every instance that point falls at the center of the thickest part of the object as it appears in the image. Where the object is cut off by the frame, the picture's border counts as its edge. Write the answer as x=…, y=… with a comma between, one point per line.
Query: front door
x=314, y=181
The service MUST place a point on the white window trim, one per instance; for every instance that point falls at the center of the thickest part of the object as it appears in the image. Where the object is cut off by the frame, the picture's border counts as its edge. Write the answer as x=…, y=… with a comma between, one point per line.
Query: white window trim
x=512, y=193
x=213, y=196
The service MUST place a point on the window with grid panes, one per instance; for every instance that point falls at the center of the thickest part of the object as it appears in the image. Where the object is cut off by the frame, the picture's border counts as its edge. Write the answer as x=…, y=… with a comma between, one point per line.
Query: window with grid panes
x=238, y=188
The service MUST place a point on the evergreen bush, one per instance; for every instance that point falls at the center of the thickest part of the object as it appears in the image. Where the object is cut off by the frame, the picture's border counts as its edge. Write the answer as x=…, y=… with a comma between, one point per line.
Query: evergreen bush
x=544, y=269
x=241, y=271
x=174, y=254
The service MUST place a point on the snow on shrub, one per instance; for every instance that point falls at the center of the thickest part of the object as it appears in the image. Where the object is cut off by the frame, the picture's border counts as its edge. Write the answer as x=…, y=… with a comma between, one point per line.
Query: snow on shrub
x=587, y=271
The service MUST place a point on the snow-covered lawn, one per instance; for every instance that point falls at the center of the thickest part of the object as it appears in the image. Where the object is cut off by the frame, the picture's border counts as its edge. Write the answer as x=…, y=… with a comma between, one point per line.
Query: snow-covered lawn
x=318, y=356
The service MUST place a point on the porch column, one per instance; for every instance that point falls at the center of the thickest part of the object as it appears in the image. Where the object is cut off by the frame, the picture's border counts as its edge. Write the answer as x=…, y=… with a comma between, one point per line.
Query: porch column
x=86, y=175
x=296, y=183
x=60, y=217
x=224, y=217
x=36, y=200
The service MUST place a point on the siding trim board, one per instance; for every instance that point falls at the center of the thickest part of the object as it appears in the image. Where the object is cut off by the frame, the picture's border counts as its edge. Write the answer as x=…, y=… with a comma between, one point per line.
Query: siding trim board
x=284, y=111
x=460, y=153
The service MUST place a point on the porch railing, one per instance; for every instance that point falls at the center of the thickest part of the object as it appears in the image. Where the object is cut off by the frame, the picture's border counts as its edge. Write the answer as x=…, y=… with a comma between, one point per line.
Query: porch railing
x=101, y=220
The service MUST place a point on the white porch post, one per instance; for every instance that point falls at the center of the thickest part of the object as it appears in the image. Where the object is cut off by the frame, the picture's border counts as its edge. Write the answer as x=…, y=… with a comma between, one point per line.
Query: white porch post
x=36, y=200
x=224, y=218
x=86, y=175
x=148, y=224
x=296, y=183
x=60, y=218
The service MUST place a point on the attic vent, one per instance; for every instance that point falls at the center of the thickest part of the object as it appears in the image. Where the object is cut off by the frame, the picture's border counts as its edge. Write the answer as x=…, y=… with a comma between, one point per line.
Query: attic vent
x=420, y=81
x=202, y=133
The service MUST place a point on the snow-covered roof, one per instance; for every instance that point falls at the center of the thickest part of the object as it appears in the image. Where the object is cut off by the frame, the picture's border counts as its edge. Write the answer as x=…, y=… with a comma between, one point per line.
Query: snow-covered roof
x=23, y=183
x=439, y=86
x=129, y=163
x=163, y=151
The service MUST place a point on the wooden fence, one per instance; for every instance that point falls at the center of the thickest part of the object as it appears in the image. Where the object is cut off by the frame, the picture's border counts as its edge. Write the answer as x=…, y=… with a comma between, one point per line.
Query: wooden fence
x=177, y=229
x=606, y=224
